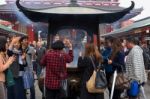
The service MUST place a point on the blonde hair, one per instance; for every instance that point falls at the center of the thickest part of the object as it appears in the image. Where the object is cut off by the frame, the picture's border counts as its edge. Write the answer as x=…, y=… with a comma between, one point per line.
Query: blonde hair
x=92, y=50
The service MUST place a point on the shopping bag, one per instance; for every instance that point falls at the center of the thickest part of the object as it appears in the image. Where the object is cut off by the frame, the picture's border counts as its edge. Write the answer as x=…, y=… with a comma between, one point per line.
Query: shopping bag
x=63, y=80
x=41, y=82
x=64, y=88
x=143, y=92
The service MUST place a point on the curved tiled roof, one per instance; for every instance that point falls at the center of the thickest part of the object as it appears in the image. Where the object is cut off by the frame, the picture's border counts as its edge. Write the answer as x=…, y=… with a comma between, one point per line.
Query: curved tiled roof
x=123, y=31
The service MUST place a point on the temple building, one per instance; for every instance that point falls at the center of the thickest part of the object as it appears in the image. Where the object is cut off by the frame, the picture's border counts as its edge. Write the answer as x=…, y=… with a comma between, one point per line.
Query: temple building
x=20, y=23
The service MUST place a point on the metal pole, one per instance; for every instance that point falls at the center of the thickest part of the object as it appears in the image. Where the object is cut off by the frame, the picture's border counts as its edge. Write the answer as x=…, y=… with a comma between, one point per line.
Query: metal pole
x=48, y=37
x=113, y=85
x=50, y=34
x=98, y=38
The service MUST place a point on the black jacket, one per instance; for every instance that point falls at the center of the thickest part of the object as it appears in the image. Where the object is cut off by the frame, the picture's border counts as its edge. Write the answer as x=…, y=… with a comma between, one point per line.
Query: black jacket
x=85, y=65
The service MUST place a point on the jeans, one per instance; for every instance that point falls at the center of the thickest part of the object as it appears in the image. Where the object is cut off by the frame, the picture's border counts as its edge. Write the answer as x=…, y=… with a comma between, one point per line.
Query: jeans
x=117, y=94
x=37, y=68
x=17, y=91
x=3, y=94
x=32, y=92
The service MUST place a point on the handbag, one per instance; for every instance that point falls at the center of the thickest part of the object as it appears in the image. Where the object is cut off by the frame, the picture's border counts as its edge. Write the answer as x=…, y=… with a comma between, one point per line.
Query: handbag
x=122, y=82
x=9, y=78
x=97, y=82
x=41, y=80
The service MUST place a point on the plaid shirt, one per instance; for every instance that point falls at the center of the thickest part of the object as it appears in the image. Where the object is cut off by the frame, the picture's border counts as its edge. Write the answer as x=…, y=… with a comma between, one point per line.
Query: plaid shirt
x=55, y=62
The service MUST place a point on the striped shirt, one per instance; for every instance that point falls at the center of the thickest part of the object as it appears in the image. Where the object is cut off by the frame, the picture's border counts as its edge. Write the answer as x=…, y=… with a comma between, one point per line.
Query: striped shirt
x=135, y=68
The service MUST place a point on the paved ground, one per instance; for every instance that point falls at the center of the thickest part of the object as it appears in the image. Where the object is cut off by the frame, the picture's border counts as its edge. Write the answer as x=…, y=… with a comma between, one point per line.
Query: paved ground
x=147, y=91
x=38, y=92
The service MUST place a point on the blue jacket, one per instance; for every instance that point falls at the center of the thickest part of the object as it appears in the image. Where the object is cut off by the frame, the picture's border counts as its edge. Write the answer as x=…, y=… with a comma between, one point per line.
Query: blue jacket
x=106, y=55
x=118, y=62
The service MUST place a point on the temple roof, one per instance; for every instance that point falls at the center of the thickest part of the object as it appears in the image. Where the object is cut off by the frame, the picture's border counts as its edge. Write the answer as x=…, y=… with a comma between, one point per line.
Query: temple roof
x=8, y=8
x=74, y=12
x=12, y=7
x=47, y=7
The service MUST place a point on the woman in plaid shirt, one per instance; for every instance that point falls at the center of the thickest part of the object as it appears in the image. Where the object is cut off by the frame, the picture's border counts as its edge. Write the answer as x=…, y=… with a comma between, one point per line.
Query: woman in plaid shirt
x=55, y=61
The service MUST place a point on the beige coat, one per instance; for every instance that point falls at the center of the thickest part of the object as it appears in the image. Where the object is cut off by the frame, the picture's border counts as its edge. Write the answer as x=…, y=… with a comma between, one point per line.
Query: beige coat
x=3, y=67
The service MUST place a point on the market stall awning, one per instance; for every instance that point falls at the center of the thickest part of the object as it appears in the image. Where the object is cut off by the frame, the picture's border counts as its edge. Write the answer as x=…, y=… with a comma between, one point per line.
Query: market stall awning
x=8, y=31
x=124, y=31
x=5, y=23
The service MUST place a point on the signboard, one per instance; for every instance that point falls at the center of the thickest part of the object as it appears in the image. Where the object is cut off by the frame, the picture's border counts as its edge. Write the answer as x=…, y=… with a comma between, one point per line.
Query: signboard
x=137, y=31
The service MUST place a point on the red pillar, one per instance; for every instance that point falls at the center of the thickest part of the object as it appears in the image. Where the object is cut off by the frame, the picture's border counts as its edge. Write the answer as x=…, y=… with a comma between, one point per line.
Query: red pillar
x=30, y=33
x=15, y=26
x=95, y=39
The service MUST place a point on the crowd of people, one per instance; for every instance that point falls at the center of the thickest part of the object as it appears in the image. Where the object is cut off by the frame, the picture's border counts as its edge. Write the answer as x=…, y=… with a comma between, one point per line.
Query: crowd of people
x=19, y=62
x=128, y=56
x=125, y=56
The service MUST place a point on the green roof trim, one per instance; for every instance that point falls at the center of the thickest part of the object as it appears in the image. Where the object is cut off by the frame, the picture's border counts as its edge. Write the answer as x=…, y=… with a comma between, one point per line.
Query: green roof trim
x=11, y=30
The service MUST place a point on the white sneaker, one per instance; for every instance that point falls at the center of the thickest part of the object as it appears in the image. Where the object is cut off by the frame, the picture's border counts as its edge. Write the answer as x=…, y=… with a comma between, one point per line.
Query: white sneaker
x=124, y=94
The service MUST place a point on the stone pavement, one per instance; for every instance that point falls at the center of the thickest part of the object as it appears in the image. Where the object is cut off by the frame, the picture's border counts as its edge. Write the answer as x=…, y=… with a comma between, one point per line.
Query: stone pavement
x=38, y=92
x=147, y=91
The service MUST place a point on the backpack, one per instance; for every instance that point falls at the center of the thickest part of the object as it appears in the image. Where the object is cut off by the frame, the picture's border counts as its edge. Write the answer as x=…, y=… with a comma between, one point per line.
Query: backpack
x=134, y=89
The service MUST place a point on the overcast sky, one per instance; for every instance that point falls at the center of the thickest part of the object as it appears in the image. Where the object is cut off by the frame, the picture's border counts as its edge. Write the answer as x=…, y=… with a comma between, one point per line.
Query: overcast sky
x=138, y=3
x=2, y=2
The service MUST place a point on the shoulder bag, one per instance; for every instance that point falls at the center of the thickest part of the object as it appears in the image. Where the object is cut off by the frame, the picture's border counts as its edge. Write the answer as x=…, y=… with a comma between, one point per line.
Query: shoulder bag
x=122, y=82
x=97, y=82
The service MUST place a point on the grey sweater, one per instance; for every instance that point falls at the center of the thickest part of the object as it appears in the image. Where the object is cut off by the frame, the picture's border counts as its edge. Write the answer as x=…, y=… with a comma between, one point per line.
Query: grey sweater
x=135, y=68
x=29, y=56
